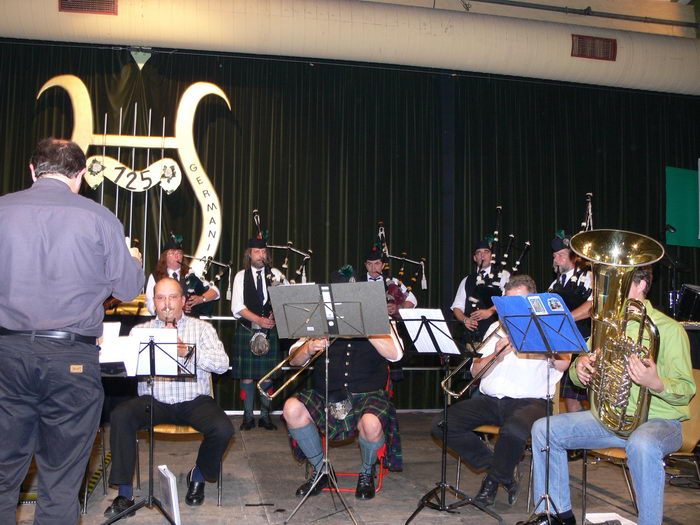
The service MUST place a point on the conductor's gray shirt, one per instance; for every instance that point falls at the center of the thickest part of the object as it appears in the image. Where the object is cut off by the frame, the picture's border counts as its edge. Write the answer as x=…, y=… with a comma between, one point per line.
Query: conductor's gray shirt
x=61, y=256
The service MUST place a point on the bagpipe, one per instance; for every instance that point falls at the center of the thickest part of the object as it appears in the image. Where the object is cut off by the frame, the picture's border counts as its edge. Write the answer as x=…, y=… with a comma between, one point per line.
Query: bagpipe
x=582, y=266
x=259, y=342
x=395, y=285
x=289, y=249
x=489, y=285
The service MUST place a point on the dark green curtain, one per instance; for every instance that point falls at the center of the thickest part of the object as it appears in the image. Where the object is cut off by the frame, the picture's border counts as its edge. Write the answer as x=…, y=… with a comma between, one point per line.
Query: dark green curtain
x=325, y=151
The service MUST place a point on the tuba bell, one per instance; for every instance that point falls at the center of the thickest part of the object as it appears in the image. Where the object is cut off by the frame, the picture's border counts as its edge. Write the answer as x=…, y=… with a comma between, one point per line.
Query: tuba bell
x=615, y=255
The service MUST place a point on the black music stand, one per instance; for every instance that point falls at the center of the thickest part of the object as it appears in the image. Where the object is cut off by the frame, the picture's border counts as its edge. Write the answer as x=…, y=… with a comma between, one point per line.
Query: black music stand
x=329, y=310
x=426, y=339
x=537, y=324
x=151, y=346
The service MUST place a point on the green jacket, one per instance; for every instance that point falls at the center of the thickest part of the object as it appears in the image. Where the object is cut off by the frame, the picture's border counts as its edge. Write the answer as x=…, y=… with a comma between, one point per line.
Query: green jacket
x=673, y=365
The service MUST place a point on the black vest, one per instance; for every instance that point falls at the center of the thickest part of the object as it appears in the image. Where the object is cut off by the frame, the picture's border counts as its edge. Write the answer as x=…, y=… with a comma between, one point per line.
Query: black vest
x=483, y=293
x=250, y=294
x=354, y=365
x=574, y=295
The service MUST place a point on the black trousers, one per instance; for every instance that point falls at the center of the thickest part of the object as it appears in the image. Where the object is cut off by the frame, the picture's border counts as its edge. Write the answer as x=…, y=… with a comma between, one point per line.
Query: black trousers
x=201, y=413
x=514, y=416
x=50, y=402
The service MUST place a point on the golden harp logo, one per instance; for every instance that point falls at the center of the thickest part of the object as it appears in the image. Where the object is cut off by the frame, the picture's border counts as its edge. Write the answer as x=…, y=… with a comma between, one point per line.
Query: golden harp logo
x=165, y=171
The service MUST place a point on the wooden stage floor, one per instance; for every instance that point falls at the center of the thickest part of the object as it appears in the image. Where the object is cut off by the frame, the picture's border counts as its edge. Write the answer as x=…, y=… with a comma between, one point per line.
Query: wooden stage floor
x=260, y=477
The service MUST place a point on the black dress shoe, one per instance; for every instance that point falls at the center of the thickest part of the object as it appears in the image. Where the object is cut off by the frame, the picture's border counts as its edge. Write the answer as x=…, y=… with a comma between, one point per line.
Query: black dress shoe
x=266, y=423
x=248, y=423
x=554, y=519
x=365, y=486
x=513, y=488
x=305, y=488
x=487, y=492
x=120, y=504
x=195, y=491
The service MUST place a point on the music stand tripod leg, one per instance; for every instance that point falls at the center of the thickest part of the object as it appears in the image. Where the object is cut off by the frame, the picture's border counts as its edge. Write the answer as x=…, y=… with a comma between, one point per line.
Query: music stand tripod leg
x=150, y=500
x=326, y=469
x=439, y=492
x=546, y=498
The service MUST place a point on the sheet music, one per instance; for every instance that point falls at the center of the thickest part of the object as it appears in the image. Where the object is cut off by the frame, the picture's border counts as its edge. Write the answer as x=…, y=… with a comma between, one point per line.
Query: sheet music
x=438, y=326
x=166, y=351
x=168, y=494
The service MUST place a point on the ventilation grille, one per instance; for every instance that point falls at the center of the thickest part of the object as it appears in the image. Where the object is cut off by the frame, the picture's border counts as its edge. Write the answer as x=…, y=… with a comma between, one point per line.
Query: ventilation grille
x=593, y=47
x=95, y=7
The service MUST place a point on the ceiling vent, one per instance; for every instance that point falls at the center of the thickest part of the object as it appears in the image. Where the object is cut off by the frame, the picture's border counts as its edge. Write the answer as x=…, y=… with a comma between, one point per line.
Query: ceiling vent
x=593, y=47
x=94, y=7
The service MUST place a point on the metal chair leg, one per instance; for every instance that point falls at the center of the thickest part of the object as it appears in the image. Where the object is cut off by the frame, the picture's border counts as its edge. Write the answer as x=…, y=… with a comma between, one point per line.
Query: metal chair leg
x=530, y=483
x=584, y=486
x=630, y=489
x=459, y=472
x=86, y=480
x=138, y=466
x=102, y=458
x=220, y=483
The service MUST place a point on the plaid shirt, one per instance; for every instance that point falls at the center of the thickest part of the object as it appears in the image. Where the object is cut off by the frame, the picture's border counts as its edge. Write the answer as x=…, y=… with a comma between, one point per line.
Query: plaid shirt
x=211, y=358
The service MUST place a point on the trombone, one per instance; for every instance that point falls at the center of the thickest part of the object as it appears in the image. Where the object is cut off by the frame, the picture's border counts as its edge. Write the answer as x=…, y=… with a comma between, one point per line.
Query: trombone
x=284, y=363
x=445, y=383
x=393, y=334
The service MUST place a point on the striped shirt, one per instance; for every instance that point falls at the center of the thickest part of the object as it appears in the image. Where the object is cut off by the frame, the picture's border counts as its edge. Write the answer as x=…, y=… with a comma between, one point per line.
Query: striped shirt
x=211, y=359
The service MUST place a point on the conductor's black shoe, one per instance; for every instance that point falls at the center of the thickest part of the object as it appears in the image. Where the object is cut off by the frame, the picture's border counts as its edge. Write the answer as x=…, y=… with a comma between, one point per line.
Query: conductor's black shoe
x=248, y=423
x=513, y=488
x=120, y=504
x=305, y=488
x=542, y=519
x=195, y=491
x=487, y=492
x=365, y=486
x=266, y=423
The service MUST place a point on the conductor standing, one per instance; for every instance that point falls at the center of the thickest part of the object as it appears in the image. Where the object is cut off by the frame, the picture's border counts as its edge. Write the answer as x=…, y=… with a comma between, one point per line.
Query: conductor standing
x=63, y=255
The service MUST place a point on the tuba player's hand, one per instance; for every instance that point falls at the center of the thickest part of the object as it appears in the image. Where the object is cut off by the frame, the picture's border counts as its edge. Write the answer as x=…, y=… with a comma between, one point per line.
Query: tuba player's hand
x=585, y=366
x=644, y=373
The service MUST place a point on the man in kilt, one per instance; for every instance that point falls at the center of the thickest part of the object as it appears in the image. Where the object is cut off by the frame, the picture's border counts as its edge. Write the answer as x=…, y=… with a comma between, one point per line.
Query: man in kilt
x=358, y=404
x=573, y=283
x=256, y=331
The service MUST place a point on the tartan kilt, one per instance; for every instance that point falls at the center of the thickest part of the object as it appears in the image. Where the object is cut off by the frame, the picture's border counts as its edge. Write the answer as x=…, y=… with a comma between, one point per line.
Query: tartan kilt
x=568, y=389
x=245, y=365
x=376, y=403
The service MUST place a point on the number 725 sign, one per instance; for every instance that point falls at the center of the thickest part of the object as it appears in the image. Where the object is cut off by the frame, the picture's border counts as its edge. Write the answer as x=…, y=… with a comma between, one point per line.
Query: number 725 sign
x=165, y=172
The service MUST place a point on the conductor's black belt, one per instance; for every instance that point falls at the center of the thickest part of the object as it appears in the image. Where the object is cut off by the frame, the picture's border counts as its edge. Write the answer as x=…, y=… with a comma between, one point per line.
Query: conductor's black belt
x=52, y=334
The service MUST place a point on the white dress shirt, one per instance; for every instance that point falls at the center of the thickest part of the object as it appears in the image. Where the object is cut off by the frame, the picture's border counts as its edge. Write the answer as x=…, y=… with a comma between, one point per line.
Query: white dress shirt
x=519, y=375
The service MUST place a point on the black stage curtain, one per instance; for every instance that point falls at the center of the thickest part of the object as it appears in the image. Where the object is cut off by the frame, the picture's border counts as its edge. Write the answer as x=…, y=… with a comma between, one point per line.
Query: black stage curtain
x=325, y=151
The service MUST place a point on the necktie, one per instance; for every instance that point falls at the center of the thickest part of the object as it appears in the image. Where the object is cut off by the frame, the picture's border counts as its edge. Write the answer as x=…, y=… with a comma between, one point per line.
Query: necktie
x=374, y=278
x=562, y=279
x=259, y=287
x=175, y=276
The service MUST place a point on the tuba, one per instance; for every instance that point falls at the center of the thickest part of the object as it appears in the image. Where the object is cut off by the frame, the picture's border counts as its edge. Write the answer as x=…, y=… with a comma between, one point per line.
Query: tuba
x=615, y=255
